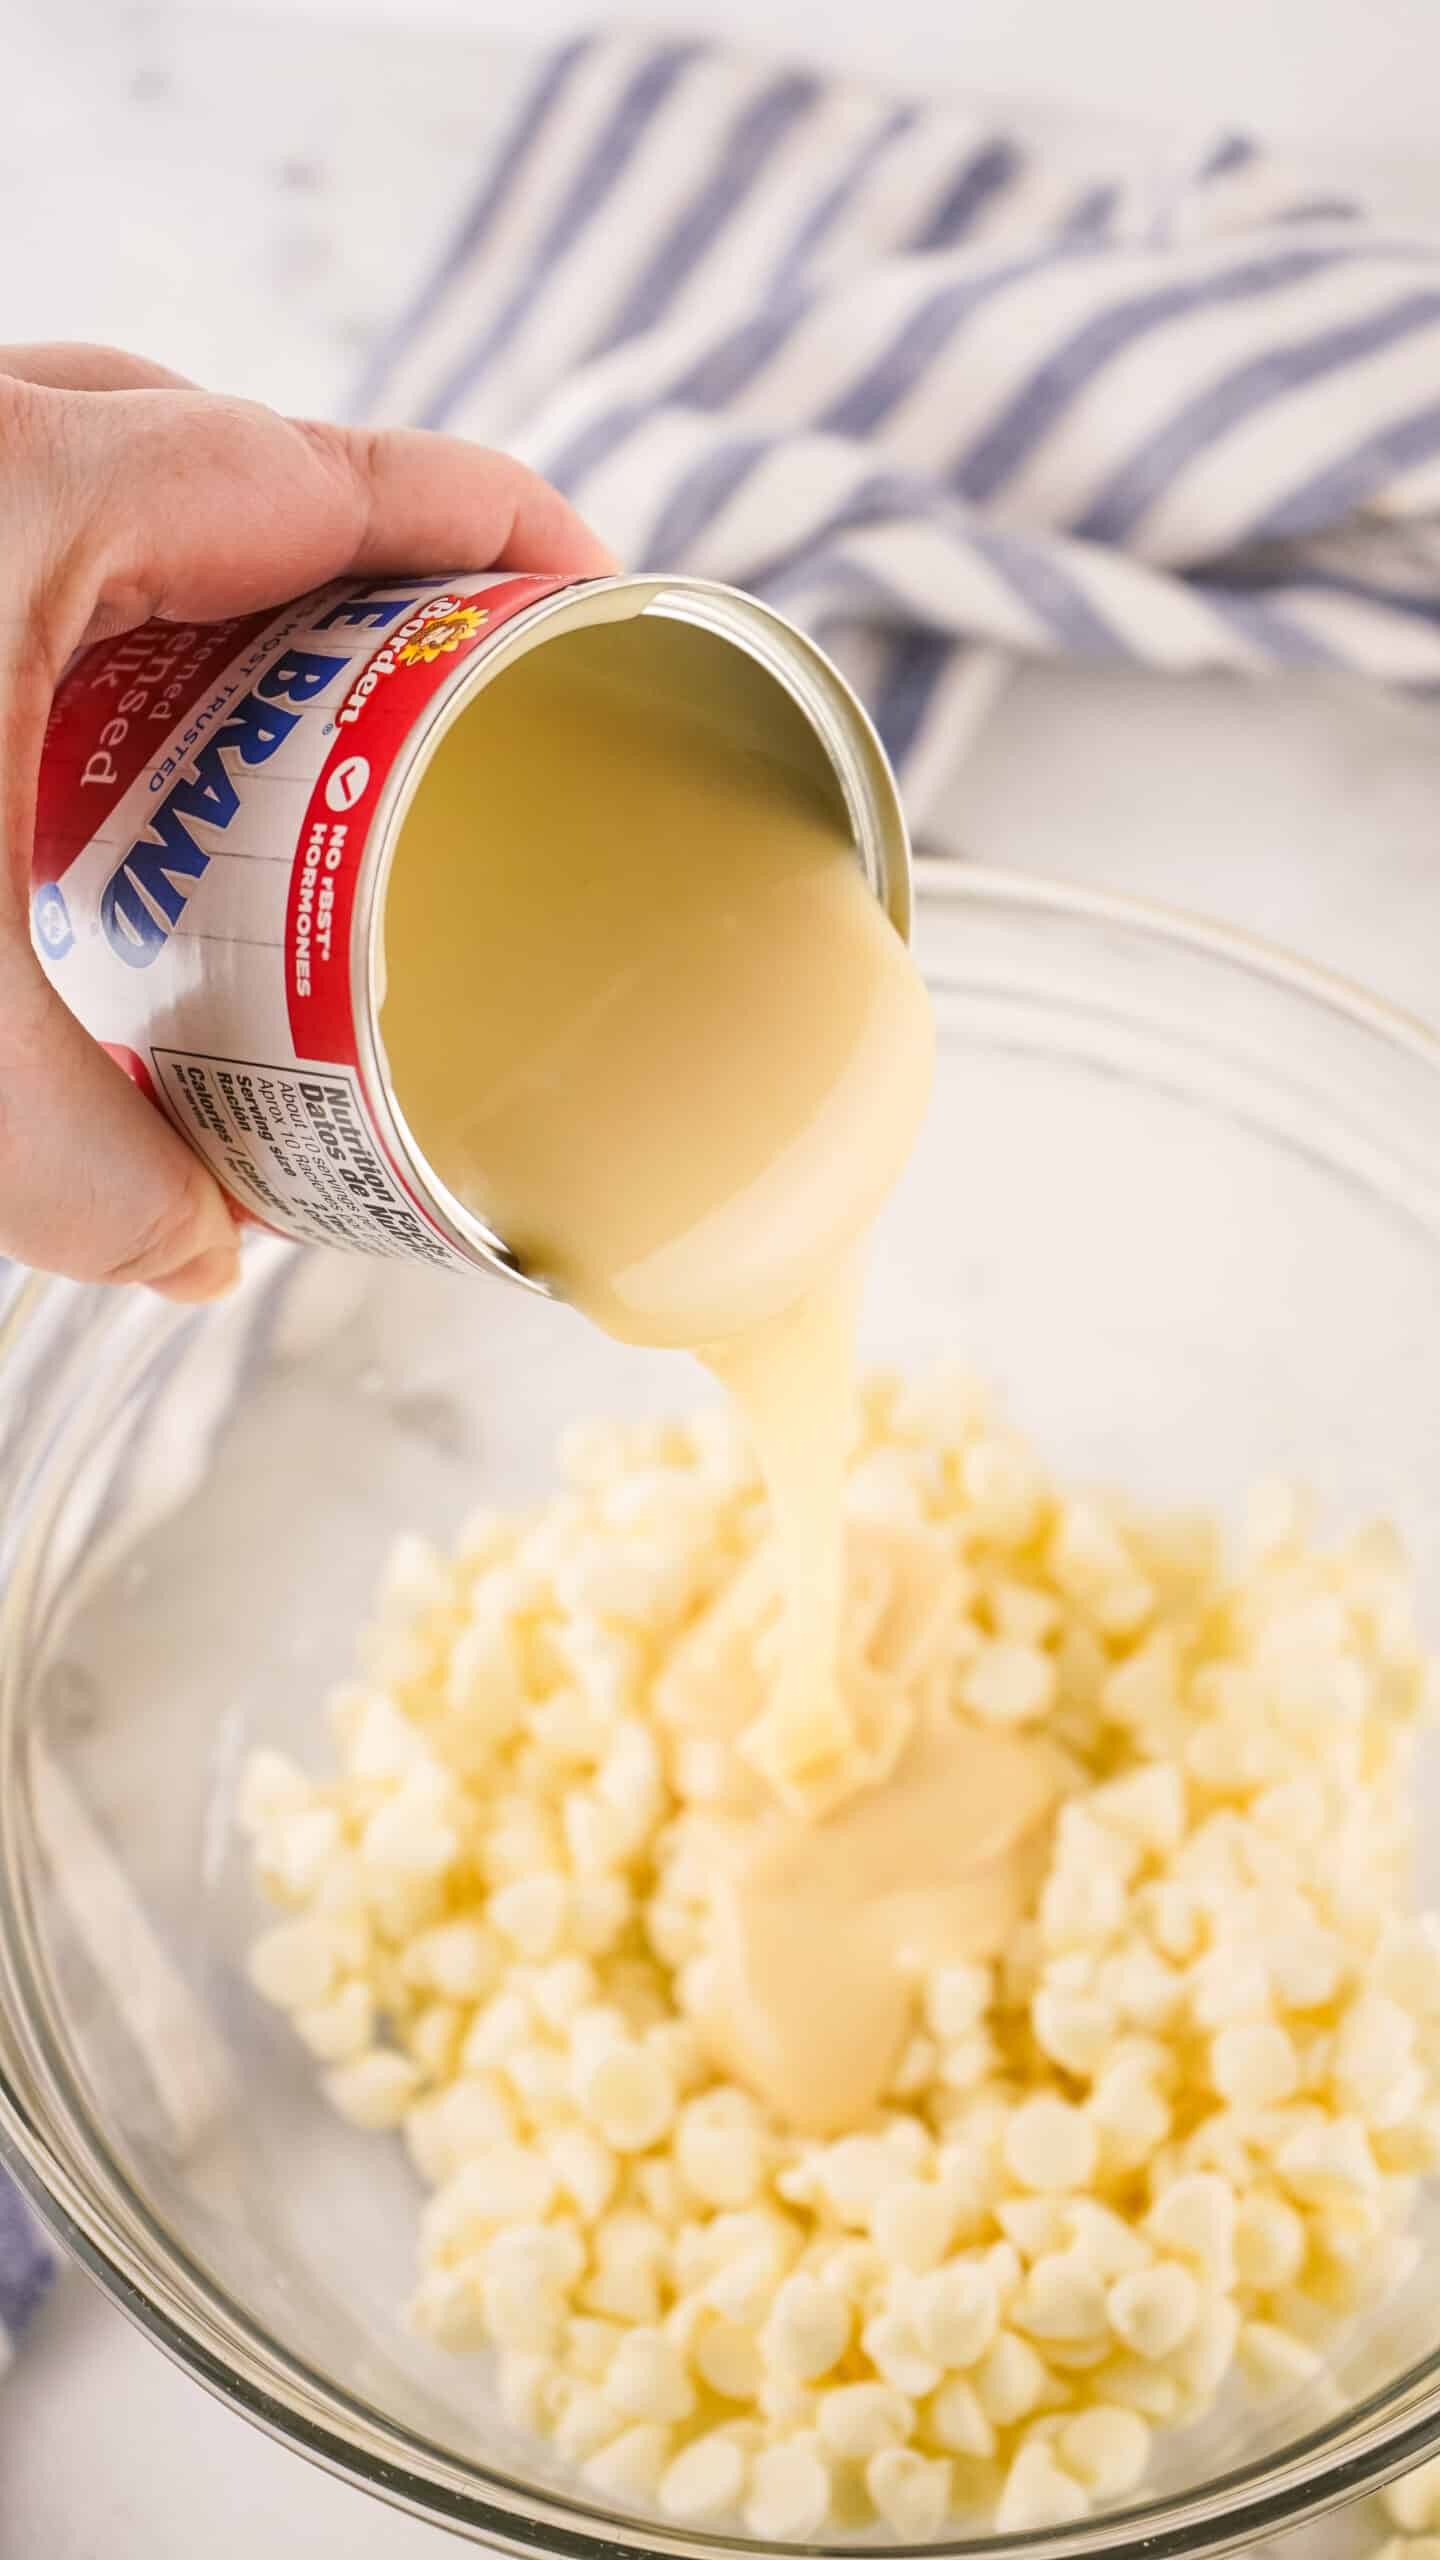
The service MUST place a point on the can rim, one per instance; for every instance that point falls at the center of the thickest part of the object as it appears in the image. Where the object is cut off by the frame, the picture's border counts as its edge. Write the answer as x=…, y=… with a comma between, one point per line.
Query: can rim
x=836, y=716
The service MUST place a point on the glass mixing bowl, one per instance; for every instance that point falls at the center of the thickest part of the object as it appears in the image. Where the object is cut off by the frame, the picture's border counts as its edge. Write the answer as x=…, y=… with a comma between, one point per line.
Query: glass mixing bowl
x=1179, y=1196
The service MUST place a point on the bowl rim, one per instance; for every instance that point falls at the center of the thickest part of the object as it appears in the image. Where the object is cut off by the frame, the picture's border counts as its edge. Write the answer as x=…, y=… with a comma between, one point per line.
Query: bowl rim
x=211, y=2338
x=943, y=877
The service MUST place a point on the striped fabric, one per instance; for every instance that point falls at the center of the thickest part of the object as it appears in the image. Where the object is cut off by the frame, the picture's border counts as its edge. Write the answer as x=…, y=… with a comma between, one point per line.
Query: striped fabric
x=26, y=2269
x=287, y=1302
x=950, y=392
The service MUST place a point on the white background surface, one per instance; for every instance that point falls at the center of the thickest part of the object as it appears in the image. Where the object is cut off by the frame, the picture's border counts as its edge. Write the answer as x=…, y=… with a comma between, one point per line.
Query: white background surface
x=244, y=195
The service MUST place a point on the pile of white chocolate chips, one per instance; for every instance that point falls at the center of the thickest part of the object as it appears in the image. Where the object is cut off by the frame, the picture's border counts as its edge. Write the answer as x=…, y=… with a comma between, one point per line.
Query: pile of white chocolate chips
x=1169, y=2138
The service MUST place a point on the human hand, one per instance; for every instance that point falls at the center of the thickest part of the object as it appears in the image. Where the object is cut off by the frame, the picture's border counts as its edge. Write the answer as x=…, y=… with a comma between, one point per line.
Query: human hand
x=125, y=493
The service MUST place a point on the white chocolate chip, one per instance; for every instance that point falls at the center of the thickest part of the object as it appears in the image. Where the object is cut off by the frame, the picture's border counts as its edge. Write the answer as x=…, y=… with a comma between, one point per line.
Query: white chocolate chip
x=705, y=2481
x=271, y=1786
x=913, y=2225
x=1106, y=2448
x=957, y=2313
x=1328, y=2163
x=860, y=2419
x=1062, y=2299
x=1269, y=2242
x=632, y=2466
x=728, y=2359
x=1195, y=2219
x=647, y=2379
x=957, y=2421
x=1154, y=2310
x=809, y=2328
x=340, y=2028
x=1009, y=1683
x=1073, y=2027
x=1050, y=2144
x=374, y=2090
x=628, y=2096
x=725, y=2163
x=789, y=2496
x=1010, y=2379
x=293, y=1966
x=1038, y=2493
x=1254, y=2065
x=1272, y=2361
x=909, y=2494
x=957, y=1997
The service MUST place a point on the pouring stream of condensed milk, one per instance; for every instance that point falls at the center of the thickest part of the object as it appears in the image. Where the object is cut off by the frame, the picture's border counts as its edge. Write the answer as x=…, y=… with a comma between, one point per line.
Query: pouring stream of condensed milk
x=644, y=1015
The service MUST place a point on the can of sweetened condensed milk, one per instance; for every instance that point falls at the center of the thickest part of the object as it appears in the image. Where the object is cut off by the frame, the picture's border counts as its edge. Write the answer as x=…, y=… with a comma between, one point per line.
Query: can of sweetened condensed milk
x=219, y=811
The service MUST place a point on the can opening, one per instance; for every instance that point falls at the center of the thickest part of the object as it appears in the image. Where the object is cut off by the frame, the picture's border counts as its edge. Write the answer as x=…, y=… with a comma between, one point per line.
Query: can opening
x=612, y=798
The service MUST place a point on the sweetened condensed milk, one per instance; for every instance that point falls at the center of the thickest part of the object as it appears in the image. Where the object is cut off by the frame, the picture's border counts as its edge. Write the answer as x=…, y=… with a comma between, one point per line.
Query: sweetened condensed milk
x=644, y=1017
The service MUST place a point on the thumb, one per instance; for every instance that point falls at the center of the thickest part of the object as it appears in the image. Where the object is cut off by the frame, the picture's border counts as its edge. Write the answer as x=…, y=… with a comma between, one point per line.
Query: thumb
x=94, y=1183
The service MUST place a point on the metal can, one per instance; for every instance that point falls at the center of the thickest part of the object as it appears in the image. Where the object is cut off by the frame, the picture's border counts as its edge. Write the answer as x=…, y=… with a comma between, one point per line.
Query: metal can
x=218, y=807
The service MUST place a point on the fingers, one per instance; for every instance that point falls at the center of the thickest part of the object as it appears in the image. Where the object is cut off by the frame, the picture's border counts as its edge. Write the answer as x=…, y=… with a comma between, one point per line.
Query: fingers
x=422, y=489
x=93, y=1181
x=193, y=507
x=71, y=367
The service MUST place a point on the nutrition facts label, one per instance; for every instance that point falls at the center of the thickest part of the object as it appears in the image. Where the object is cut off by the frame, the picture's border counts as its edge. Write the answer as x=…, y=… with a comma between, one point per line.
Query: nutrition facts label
x=292, y=1143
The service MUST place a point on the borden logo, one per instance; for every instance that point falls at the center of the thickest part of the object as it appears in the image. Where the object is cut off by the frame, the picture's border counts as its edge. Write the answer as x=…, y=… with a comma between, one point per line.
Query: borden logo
x=447, y=631
x=145, y=895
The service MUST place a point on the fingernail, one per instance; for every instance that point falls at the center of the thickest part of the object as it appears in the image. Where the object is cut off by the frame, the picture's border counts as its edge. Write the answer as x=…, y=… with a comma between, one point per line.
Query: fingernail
x=211, y=1274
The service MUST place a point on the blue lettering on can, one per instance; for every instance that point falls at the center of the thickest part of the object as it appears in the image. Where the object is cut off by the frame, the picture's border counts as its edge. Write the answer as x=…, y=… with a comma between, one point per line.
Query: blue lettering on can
x=299, y=676
x=376, y=611
x=145, y=895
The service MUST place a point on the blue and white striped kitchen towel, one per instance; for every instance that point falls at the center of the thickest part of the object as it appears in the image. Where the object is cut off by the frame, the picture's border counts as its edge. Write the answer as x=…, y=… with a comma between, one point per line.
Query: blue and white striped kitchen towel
x=286, y=1303
x=26, y=2268
x=952, y=392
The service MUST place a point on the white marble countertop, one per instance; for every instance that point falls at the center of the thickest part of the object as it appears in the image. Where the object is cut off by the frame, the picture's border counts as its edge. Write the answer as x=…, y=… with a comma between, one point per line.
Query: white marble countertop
x=244, y=195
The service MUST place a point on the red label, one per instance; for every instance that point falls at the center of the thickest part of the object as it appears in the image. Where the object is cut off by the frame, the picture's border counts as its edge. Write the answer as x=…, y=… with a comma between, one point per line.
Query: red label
x=134, y=1067
x=371, y=725
x=113, y=712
